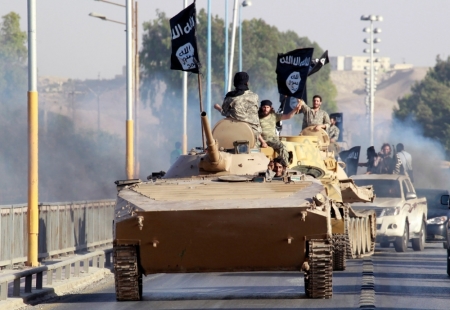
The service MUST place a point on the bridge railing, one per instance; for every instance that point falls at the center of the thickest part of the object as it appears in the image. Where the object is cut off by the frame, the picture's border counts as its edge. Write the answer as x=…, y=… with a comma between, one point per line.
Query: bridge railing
x=63, y=228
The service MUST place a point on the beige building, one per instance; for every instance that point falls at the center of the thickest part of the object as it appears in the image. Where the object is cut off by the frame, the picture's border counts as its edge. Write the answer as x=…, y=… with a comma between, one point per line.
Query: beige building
x=357, y=63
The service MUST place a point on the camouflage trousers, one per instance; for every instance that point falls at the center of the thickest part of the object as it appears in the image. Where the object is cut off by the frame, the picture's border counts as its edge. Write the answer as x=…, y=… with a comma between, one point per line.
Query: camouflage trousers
x=279, y=147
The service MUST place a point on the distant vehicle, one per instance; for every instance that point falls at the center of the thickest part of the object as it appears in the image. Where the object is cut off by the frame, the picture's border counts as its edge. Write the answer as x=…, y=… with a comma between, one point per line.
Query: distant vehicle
x=445, y=201
x=401, y=215
x=437, y=213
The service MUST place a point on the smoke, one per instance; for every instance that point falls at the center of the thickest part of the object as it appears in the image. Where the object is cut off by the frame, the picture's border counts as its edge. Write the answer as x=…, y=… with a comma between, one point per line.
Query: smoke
x=428, y=155
x=76, y=161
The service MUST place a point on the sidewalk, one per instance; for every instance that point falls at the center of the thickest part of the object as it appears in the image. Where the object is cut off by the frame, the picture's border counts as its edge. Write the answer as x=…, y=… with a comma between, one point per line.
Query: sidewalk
x=54, y=277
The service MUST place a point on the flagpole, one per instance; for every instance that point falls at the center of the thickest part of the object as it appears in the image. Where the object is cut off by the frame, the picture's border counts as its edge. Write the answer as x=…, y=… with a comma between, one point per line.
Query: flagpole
x=233, y=38
x=208, y=64
x=201, y=108
x=226, y=48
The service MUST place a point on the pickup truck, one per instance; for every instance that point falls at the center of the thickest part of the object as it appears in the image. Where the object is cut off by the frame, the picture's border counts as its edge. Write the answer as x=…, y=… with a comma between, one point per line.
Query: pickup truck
x=401, y=215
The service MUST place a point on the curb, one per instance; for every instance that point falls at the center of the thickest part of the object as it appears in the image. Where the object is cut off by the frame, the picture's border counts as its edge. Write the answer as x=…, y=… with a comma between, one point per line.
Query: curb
x=59, y=288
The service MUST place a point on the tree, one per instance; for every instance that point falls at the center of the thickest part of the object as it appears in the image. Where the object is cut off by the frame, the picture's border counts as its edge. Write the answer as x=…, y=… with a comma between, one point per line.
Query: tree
x=13, y=57
x=429, y=103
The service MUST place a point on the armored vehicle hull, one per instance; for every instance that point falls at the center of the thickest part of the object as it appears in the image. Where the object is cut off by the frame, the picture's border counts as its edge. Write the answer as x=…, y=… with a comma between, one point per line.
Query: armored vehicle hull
x=222, y=226
x=216, y=211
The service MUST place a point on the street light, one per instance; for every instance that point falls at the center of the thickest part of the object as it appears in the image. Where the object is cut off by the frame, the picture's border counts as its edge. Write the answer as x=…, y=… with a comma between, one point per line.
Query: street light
x=371, y=50
x=103, y=17
x=243, y=4
x=118, y=4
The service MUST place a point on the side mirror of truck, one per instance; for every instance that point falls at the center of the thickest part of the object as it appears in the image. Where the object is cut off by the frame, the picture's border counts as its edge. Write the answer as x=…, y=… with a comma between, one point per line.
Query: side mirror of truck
x=444, y=200
x=411, y=196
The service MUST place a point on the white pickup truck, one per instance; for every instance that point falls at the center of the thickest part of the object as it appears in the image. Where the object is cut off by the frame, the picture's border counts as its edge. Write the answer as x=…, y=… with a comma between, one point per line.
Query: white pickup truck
x=401, y=216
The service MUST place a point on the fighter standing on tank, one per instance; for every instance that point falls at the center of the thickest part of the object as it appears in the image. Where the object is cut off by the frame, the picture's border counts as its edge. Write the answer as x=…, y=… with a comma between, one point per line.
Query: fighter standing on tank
x=333, y=130
x=315, y=116
x=241, y=104
x=268, y=119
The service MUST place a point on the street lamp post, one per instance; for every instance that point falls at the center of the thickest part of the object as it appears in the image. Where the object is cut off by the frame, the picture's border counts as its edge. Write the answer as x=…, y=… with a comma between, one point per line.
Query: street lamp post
x=243, y=4
x=33, y=189
x=371, y=50
x=129, y=166
x=132, y=84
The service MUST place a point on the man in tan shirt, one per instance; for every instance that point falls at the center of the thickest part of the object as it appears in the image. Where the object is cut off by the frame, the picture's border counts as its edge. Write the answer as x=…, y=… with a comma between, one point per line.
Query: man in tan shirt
x=315, y=116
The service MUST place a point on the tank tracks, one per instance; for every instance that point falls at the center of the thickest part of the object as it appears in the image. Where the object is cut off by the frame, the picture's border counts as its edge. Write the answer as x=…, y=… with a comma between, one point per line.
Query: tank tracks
x=127, y=276
x=340, y=242
x=319, y=274
x=360, y=232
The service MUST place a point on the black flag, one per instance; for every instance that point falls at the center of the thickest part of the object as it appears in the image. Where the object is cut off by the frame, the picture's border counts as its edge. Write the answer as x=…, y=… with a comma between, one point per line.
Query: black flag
x=292, y=71
x=351, y=159
x=318, y=63
x=184, y=43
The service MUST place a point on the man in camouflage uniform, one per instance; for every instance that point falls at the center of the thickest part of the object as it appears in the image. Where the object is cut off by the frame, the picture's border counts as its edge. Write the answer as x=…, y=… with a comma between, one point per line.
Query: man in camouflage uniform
x=268, y=119
x=333, y=130
x=241, y=104
x=315, y=116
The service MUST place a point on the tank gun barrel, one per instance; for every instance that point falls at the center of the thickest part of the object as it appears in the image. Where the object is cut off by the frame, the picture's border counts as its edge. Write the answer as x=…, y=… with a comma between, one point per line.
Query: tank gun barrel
x=211, y=143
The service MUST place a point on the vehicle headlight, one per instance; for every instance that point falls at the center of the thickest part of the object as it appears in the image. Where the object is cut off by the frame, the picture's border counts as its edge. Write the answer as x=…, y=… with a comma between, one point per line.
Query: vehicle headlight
x=437, y=220
x=390, y=211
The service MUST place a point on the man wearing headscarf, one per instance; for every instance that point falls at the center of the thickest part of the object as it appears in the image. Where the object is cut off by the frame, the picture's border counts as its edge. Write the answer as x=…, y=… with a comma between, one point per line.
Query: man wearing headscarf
x=268, y=119
x=242, y=104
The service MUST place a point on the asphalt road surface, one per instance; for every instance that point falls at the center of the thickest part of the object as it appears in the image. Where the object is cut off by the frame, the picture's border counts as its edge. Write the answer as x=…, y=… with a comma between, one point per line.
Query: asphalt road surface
x=411, y=280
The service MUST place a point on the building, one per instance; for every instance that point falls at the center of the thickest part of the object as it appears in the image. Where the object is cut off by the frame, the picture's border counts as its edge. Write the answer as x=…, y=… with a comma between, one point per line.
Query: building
x=357, y=63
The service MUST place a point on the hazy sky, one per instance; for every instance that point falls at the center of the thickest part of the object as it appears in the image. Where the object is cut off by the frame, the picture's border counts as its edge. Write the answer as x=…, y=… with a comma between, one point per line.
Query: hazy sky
x=72, y=44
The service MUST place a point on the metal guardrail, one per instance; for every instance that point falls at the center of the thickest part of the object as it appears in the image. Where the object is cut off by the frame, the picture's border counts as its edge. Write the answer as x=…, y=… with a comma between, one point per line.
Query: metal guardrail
x=71, y=267
x=63, y=228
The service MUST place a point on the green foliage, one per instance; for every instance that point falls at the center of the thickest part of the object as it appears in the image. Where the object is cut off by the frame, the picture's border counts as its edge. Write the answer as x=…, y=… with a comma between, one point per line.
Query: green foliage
x=13, y=57
x=261, y=44
x=428, y=105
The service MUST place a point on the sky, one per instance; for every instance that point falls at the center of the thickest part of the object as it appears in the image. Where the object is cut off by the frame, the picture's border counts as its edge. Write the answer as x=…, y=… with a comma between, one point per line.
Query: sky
x=74, y=45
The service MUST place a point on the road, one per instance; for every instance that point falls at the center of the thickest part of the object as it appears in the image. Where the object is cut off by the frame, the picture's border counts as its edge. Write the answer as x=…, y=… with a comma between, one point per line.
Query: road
x=411, y=280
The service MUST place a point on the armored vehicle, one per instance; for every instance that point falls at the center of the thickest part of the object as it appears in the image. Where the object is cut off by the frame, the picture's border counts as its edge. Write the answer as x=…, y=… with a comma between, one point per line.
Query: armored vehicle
x=217, y=211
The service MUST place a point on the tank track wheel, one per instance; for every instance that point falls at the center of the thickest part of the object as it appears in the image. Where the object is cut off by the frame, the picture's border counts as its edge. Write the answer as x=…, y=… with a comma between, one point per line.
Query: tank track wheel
x=318, y=277
x=127, y=275
x=339, y=251
x=360, y=233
